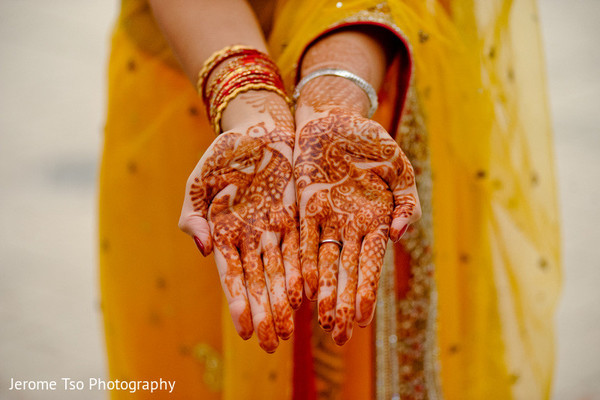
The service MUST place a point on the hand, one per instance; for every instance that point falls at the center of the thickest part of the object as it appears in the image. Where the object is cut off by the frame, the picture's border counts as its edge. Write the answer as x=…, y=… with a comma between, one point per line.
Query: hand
x=355, y=186
x=242, y=189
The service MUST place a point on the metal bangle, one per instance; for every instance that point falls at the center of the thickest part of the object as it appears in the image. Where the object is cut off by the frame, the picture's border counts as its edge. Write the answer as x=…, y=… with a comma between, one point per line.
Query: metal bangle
x=360, y=82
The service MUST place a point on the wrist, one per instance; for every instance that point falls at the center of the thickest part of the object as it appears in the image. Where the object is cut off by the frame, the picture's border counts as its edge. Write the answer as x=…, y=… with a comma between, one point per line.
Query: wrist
x=257, y=107
x=326, y=93
x=230, y=73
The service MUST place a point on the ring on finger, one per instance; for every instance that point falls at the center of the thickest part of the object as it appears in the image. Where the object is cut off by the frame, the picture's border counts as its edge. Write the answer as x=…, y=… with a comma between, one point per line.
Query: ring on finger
x=332, y=241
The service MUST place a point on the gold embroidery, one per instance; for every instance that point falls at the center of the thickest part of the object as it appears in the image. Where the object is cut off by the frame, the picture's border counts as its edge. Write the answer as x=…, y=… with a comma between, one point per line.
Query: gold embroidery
x=417, y=336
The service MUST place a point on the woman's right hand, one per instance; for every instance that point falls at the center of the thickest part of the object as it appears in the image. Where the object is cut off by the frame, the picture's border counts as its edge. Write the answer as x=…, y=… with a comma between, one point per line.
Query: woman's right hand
x=240, y=202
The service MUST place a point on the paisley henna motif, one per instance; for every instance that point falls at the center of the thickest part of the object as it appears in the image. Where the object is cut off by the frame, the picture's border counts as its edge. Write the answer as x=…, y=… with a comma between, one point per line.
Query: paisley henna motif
x=353, y=183
x=243, y=187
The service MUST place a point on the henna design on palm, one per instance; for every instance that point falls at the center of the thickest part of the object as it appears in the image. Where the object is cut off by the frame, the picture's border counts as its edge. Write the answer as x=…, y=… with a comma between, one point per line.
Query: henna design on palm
x=354, y=185
x=242, y=189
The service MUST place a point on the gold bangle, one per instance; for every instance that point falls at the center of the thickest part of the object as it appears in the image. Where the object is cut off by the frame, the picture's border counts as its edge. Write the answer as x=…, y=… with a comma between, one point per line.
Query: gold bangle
x=250, y=70
x=216, y=58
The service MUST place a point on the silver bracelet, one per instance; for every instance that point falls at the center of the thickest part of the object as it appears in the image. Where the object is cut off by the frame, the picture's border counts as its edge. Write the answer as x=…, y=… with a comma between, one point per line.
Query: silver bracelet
x=360, y=82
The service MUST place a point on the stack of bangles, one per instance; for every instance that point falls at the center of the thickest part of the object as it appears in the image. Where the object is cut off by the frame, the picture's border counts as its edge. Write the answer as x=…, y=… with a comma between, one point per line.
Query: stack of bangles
x=246, y=69
x=249, y=69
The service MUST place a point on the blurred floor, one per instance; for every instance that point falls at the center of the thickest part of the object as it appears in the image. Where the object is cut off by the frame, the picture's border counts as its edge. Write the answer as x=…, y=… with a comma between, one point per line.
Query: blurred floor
x=52, y=68
x=571, y=31
x=52, y=63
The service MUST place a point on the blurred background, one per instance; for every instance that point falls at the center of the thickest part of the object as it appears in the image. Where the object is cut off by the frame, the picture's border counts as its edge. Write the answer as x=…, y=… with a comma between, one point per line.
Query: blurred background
x=52, y=102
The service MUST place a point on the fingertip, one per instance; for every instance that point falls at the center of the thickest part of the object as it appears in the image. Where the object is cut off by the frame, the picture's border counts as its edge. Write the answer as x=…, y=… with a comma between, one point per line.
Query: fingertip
x=287, y=333
x=366, y=301
x=417, y=213
x=311, y=294
x=326, y=322
x=267, y=338
x=207, y=241
x=197, y=227
x=245, y=332
x=341, y=338
x=294, y=282
x=242, y=318
x=365, y=323
x=310, y=277
x=269, y=350
x=208, y=246
x=200, y=245
x=204, y=244
x=295, y=297
x=397, y=230
x=365, y=319
x=343, y=329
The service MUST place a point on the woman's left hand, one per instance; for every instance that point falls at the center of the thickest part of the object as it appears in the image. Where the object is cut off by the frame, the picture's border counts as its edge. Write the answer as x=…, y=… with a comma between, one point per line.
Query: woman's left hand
x=355, y=186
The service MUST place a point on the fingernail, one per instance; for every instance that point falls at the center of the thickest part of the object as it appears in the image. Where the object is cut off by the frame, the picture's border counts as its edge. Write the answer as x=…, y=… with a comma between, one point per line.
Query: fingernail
x=402, y=232
x=199, y=245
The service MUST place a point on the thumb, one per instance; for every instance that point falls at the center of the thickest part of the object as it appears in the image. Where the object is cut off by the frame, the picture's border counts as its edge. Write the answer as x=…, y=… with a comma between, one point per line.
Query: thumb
x=193, y=215
x=407, y=210
x=197, y=227
x=195, y=211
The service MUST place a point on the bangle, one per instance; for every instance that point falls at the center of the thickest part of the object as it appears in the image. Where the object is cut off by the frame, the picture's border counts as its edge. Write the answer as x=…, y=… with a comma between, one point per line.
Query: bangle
x=249, y=69
x=357, y=80
x=215, y=59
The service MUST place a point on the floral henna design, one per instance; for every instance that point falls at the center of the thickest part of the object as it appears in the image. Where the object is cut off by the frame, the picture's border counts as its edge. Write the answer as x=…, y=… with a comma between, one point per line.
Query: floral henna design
x=277, y=110
x=245, y=322
x=327, y=294
x=353, y=183
x=338, y=93
x=409, y=203
x=243, y=187
x=356, y=52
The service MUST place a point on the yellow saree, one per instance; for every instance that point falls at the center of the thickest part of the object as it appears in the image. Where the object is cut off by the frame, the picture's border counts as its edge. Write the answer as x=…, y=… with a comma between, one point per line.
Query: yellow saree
x=472, y=317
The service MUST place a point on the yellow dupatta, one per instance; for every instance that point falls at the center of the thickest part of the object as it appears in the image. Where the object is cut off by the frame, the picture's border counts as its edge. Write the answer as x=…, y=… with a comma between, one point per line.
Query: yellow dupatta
x=479, y=82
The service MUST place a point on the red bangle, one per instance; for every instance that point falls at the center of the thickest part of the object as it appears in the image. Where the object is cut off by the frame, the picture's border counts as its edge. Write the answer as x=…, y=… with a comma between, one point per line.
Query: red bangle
x=250, y=70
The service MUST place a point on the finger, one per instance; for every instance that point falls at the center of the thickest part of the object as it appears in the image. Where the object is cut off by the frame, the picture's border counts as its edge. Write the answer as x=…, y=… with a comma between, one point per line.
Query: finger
x=197, y=227
x=329, y=255
x=407, y=210
x=369, y=270
x=200, y=195
x=231, y=273
x=202, y=187
x=259, y=300
x=291, y=264
x=309, y=246
x=346, y=291
x=193, y=215
x=280, y=306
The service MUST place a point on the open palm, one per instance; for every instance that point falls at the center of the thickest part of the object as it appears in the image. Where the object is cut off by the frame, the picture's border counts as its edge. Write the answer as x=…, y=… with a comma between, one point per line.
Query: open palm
x=355, y=186
x=242, y=195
